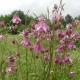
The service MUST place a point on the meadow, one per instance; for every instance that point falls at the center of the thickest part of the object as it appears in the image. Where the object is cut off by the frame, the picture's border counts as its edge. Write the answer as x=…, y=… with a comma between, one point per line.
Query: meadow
x=44, y=50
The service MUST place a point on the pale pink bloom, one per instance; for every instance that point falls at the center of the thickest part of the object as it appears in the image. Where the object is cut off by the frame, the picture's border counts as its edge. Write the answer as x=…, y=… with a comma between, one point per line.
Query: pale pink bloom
x=60, y=48
x=72, y=74
x=46, y=58
x=33, y=25
x=13, y=28
x=25, y=32
x=11, y=61
x=1, y=23
x=55, y=6
x=68, y=31
x=60, y=34
x=9, y=70
x=10, y=64
x=38, y=47
x=75, y=36
x=62, y=41
x=69, y=26
x=58, y=60
x=1, y=36
x=67, y=59
x=43, y=36
x=55, y=17
x=41, y=26
x=71, y=45
x=16, y=19
x=25, y=42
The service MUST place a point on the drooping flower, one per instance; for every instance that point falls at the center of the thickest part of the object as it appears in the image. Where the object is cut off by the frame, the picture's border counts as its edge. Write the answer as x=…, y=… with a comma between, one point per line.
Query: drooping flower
x=25, y=42
x=72, y=74
x=33, y=25
x=67, y=59
x=60, y=34
x=60, y=48
x=16, y=19
x=68, y=31
x=75, y=36
x=55, y=6
x=10, y=67
x=25, y=32
x=1, y=23
x=1, y=36
x=9, y=70
x=38, y=47
x=69, y=26
x=58, y=60
x=41, y=26
x=46, y=58
x=14, y=28
x=71, y=45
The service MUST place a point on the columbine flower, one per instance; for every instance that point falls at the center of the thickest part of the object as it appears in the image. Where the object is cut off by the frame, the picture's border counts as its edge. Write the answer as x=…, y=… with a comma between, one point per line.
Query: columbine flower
x=75, y=36
x=58, y=60
x=41, y=26
x=67, y=59
x=25, y=42
x=1, y=36
x=38, y=47
x=68, y=31
x=33, y=25
x=25, y=32
x=61, y=48
x=71, y=45
x=46, y=58
x=55, y=6
x=72, y=74
x=10, y=64
x=69, y=26
x=9, y=70
x=1, y=23
x=16, y=19
x=13, y=28
x=60, y=34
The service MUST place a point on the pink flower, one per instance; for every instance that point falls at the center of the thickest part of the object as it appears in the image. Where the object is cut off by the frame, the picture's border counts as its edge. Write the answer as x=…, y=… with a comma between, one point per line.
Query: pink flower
x=46, y=58
x=25, y=42
x=69, y=26
x=9, y=70
x=25, y=32
x=58, y=60
x=67, y=59
x=55, y=6
x=75, y=36
x=11, y=61
x=71, y=45
x=16, y=19
x=68, y=31
x=38, y=47
x=10, y=64
x=13, y=28
x=33, y=25
x=43, y=36
x=60, y=48
x=41, y=26
x=60, y=34
x=1, y=23
x=72, y=74
x=1, y=36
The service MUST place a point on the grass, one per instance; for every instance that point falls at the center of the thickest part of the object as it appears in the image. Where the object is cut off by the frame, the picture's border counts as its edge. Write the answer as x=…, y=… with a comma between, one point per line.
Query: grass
x=21, y=70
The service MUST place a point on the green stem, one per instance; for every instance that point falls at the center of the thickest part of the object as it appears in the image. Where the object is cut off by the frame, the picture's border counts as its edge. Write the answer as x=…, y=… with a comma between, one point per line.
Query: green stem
x=26, y=63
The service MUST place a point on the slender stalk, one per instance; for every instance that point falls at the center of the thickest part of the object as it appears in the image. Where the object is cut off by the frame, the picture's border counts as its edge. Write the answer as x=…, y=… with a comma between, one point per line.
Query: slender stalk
x=26, y=63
